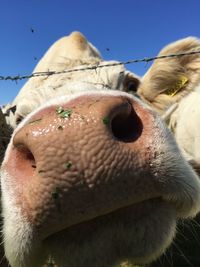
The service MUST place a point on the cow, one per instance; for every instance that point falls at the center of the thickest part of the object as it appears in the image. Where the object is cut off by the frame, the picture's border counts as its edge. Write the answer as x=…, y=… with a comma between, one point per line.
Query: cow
x=91, y=175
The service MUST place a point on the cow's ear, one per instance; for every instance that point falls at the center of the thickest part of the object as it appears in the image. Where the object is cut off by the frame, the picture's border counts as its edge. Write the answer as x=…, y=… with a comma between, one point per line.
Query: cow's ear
x=173, y=77
x=187, y=67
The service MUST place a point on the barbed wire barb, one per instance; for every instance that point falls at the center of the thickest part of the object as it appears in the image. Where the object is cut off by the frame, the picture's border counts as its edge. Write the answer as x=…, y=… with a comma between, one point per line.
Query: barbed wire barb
x=95, y=67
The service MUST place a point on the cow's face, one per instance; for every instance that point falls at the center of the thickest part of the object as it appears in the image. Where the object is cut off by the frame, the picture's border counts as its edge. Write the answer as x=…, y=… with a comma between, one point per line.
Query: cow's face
x=92, y=178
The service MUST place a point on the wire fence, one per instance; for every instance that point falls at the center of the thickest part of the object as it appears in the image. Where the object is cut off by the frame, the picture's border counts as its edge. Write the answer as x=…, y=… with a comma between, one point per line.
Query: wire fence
x=94, y=67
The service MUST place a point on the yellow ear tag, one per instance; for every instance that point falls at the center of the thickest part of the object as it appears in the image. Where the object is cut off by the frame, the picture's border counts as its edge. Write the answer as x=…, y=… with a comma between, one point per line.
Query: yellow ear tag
x=183, y=80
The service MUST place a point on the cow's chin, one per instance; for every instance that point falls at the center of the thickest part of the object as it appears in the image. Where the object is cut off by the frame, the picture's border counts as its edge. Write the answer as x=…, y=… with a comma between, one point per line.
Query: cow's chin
x=136, y=234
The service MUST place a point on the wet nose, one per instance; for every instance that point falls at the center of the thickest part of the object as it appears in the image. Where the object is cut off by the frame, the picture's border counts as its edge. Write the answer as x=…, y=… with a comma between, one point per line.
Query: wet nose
x=74, y=158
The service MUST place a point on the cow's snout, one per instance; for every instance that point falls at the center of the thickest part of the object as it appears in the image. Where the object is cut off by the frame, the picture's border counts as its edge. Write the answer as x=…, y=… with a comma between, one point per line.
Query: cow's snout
x=77, y=139
x=74, y=158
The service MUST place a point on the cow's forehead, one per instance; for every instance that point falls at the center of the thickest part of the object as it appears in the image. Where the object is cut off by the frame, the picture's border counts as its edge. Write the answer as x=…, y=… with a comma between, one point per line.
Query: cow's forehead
x=108, y=73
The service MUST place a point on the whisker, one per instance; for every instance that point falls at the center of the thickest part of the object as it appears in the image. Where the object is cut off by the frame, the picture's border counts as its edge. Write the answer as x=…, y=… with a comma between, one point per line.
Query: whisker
x=182, y=255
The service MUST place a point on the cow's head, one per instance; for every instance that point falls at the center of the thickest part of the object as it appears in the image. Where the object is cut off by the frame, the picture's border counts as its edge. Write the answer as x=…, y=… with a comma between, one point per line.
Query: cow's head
x=91, y=177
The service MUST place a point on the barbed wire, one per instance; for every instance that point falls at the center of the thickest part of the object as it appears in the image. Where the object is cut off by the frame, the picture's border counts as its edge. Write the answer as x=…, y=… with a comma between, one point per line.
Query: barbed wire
x=94, y=67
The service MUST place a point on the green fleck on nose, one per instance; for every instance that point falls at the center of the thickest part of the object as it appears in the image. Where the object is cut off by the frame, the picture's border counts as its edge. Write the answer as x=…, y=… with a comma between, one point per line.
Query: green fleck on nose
x=66, y=113
x=63, y=113
x=59, y=110
x=106, y=120
x=55, y=194
x=68, y=165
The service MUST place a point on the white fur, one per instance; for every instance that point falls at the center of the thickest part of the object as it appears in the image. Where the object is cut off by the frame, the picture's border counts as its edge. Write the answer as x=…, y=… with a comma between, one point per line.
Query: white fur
x=185, y=123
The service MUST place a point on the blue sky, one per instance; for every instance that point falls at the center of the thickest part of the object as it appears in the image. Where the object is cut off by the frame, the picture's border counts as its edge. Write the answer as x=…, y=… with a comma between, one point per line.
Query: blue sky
x=129, y=28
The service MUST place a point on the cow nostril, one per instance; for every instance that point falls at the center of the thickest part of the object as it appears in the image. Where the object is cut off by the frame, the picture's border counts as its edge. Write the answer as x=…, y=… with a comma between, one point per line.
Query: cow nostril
x=126, y=127
x=26, y=156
